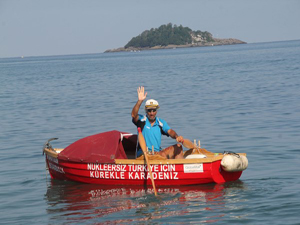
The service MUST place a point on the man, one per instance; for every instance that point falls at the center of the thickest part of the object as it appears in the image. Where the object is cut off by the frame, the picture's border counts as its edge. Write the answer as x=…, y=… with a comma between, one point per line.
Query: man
x=153, y=127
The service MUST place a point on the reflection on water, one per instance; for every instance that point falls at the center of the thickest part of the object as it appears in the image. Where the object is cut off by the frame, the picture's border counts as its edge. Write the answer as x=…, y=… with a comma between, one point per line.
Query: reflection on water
x=242, y=98
x=75, y=202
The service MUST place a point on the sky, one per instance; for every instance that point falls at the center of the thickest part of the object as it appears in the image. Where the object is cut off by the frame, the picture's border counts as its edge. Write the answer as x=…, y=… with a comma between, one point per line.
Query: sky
x=63, y=27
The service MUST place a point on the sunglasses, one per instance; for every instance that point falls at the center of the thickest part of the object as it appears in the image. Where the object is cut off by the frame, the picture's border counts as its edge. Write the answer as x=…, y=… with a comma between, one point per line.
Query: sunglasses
x=151, y=110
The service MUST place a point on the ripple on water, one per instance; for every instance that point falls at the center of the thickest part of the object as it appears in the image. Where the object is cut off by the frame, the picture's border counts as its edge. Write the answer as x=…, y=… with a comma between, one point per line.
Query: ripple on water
x=238, y=98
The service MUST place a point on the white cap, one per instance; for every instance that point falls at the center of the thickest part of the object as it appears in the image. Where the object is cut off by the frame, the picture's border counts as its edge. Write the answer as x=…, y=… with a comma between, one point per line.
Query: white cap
x=151, y=103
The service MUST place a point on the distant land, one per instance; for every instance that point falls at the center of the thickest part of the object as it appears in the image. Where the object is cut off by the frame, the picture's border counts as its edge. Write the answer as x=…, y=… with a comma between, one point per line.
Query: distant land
x=172, y=36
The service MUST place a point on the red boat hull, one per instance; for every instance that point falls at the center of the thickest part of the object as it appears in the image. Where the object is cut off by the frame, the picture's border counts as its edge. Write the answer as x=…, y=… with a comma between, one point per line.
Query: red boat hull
x=137, y=174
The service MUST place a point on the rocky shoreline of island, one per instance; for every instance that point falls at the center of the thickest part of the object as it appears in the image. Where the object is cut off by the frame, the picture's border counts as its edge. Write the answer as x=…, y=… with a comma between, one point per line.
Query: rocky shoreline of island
x=216, y=42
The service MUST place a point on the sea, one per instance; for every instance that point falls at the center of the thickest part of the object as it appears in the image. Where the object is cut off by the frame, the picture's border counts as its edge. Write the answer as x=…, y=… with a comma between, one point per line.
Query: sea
x=240, y=98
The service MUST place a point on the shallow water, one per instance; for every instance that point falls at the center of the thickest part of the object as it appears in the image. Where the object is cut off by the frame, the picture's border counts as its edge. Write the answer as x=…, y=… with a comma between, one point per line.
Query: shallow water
x=242, y=98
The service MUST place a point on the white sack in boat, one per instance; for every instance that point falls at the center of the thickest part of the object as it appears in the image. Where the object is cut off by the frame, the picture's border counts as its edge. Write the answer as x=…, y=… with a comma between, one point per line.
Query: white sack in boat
x=234, y=162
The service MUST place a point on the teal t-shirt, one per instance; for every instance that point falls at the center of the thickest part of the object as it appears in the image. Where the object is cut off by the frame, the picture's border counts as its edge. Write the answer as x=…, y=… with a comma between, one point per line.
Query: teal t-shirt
x=152, y=134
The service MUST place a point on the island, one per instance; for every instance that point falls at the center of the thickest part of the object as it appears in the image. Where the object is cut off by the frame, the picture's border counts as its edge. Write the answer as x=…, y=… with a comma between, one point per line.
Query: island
x=171, y=36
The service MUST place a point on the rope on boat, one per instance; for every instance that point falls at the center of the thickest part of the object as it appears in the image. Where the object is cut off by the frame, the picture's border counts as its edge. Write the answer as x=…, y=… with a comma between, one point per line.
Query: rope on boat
x=48, y=145
x=231, y=153
x=47, y=168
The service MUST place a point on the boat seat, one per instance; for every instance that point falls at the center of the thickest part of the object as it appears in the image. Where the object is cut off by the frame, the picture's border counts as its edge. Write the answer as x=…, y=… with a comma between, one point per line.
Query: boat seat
x=152, y=157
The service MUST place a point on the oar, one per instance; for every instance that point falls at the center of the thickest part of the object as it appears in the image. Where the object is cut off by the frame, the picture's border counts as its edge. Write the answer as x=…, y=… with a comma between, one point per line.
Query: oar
x=188, y=144
x=144, y=148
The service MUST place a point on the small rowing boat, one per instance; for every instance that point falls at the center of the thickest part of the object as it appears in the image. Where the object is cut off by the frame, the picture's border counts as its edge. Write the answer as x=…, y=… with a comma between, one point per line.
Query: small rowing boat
x=109, y=159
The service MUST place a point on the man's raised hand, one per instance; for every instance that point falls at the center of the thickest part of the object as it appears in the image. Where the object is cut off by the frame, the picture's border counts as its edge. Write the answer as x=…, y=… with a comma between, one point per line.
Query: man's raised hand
x=141, y=93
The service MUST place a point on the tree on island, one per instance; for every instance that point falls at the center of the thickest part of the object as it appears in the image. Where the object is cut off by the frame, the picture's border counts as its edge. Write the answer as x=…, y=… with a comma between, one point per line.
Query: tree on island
x=169, y=35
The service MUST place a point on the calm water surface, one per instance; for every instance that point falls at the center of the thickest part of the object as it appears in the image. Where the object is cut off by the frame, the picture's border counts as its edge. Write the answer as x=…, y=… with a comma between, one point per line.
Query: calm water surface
x=243, y=98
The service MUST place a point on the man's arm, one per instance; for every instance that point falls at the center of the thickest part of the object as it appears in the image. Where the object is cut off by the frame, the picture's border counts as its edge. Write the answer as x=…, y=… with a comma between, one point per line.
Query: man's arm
x=135, y=111
x=141, y=97
x=174, y=135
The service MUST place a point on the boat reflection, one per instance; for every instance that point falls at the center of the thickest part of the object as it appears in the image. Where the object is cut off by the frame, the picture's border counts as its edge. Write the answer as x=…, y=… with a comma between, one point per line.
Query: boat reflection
x=91, y=203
